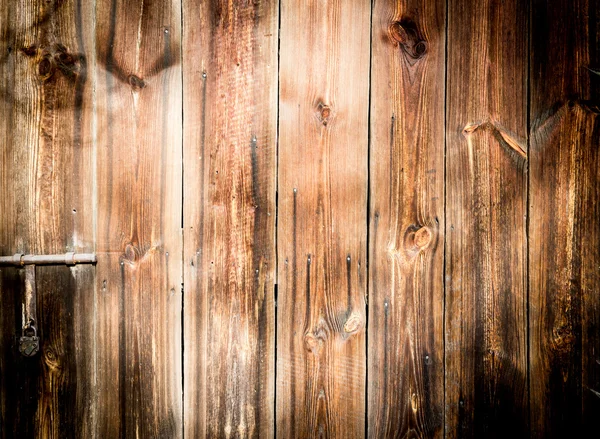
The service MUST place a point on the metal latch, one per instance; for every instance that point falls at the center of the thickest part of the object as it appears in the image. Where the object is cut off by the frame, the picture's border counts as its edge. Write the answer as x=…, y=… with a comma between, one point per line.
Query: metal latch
x=29, y=343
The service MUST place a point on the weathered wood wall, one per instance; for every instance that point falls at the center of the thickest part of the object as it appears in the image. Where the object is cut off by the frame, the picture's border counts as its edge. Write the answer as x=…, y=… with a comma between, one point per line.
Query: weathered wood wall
x=323, y=134
x=47, y=205
x=564, y=220
x=312, y=219
x=230, y=157
x=406, y=241
x=486, y=219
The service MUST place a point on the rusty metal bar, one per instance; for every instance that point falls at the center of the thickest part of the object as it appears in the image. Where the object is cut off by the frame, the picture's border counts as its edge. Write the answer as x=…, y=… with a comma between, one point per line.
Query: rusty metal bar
x=71, y=258
x=29, y=343
x=30, y=302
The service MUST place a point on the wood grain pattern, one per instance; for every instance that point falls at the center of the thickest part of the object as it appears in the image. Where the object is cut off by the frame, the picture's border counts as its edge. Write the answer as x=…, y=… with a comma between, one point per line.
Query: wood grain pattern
x=230, y=294
x=564, y=231
x=45, y=95
x=139, y=173
x=486, y=183
x=406, y=292
x=230, y=122
x=323, y=123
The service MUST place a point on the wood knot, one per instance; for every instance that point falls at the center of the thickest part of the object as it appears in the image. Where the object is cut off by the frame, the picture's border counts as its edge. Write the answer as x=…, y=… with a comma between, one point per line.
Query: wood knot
x=136, y=82
x=353, y=324
x=51, y=359
x=69, y=64
x=470, y=128
x=414, y=402
x=315, y=339
x=420, y=49
x=562, y=337
x=323, y=113
x=52, y=59
x=397, y=32
x=46, y=68
x=312, y=343
x=423, y=237
x=131, y=254
x=29, y=51
x=417, y=238
x=64, y=59
x=406, y=34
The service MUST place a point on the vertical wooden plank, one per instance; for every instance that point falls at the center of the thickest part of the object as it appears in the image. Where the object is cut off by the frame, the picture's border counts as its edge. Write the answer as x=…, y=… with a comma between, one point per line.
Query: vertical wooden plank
x=486, y=184
x=46, y=186
x=323, y=150
x=564, y=230
x=406, y=290
x=230, y=117
x=139, y=174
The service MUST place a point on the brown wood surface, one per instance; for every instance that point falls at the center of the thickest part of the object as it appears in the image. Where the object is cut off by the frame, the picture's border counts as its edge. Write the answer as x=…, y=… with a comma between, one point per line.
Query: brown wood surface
x=46, y=206
x=564, y=227
x=323, y=147
x=406, y=291
x=486, y=187
x=250, y=173
x=230, y=132
x=139, y=242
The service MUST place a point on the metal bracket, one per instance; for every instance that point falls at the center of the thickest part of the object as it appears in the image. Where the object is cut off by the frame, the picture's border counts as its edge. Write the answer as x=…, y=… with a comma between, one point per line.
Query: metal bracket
x=29, y=343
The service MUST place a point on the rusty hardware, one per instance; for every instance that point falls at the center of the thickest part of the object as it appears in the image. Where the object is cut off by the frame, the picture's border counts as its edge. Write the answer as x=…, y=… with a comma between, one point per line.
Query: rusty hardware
x=19, y=260
x=29, y=342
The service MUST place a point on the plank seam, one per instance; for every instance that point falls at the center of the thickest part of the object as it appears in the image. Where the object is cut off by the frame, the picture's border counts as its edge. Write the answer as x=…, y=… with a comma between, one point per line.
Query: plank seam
x=275, y=290
x=528, y=116
x=182, y=224
x=445, y=202
x=368, y=217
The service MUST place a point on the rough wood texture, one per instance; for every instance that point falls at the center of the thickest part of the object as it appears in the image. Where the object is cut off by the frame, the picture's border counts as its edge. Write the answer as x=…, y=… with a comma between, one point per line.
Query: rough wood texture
x=406, y=292
x=230, y=117
x=139, y=174
x=146, y=132
x=324, y=77
x=564, y=229
x=486, y=184
x=45, y=95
